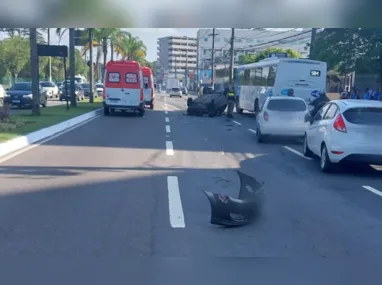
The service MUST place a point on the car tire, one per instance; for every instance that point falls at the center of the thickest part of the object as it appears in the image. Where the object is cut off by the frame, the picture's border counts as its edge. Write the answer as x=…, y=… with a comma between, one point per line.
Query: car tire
x=239, y=111
x=106, y=111
x=306, y=151
x=151, y=106
x=141, y=113
x=259, y=135
x=325, y=164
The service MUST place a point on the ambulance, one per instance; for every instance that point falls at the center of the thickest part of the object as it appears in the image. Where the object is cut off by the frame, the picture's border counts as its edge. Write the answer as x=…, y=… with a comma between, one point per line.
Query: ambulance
x=123, y=87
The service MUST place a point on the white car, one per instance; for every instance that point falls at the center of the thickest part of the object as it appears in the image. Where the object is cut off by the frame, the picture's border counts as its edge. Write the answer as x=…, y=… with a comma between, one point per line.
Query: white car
x=282, y=116
x=345, y=131
x=2, y=95
x=176, y=92
x=50, y=88
x=99, y=87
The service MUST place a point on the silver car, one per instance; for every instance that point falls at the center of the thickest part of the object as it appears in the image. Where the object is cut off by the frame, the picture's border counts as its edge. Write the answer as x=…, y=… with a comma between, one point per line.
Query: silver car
x=282, y=116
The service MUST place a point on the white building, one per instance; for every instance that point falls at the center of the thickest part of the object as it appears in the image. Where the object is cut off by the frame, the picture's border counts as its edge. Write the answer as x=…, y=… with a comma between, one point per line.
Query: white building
x=247, y=41
x=176, y=55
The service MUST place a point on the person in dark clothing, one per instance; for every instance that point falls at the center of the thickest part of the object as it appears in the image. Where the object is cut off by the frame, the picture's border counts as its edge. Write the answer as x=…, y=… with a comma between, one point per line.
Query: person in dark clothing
x=290, y=92
x=230, y=94
x=317, y=103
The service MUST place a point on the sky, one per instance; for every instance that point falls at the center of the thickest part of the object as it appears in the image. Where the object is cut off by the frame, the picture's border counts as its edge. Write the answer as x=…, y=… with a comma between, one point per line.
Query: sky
x=148, y=36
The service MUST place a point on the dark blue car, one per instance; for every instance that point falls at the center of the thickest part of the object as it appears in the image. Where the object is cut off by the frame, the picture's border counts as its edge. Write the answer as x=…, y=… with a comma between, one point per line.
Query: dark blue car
x=20, y=95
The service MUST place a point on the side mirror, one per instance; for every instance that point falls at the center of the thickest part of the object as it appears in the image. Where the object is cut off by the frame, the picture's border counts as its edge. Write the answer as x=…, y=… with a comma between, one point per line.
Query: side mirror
x=146, y=86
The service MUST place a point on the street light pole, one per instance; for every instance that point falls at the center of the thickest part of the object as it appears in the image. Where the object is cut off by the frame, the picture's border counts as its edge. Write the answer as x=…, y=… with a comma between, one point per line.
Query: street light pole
x=91, y=100
x=34, y=71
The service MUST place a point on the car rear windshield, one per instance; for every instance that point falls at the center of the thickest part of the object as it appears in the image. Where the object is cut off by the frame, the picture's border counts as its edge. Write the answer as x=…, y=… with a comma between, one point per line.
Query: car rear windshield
x=86, y=85
x=176, y=89
x=286, y=105
x=364, y=116
x=47, y=84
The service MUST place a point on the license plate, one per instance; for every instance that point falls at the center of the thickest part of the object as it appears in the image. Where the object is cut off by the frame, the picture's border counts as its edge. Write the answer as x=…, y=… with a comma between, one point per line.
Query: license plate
x=15, y=101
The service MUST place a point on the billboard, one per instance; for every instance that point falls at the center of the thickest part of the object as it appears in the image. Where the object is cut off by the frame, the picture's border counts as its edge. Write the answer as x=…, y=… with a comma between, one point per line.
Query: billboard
x=205, y=76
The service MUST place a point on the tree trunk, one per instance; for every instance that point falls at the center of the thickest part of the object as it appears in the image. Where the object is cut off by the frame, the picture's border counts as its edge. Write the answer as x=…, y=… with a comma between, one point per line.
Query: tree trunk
x=34, y=72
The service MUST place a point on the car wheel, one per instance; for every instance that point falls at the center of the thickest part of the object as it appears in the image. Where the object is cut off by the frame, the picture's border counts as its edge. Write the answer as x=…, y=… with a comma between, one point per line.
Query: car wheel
x=259, y=135
x=325, y=164
x=152, y=107
x=106, y=111
x=141, y=113
x=307, y=151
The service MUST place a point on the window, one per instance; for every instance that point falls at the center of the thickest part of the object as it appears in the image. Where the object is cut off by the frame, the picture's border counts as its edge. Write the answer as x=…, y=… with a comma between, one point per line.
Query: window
x=145, y=80
x=241, y=77
x=114, y=77
x=272, y=76
x=286, y=105
x=206, y=39
x=264, y=76
x=247, y=77
x=131, y=78
x=258, y=73
x=320, y=114
x=331, y=112
x=364, y=116
x=252, y=76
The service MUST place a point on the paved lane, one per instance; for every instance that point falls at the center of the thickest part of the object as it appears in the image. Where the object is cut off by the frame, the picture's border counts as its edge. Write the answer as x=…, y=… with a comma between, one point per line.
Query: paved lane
x=127, y=186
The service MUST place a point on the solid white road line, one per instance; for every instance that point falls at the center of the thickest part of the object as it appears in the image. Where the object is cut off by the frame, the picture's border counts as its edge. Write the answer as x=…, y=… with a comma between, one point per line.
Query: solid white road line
x=252, y=131
x=296, y=152
x=168, y=130
x=169, y=148
x=16, y=153
x=167, y=120
x=236, y=122
x=175, y=203
x=373, y=190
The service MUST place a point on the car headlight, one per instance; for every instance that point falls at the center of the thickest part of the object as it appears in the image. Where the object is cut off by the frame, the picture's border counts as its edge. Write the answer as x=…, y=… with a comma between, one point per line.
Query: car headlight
x=28, y=95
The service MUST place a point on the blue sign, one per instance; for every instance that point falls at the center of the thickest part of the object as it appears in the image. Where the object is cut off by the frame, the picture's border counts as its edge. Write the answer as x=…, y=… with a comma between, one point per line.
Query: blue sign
x=315, y=93
x=278, y=55
x=205, y=75
x=284, y=92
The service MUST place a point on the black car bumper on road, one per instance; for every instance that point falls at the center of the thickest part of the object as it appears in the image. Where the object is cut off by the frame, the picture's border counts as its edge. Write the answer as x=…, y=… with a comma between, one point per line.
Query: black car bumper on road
x=20, y=101
x=140, y=107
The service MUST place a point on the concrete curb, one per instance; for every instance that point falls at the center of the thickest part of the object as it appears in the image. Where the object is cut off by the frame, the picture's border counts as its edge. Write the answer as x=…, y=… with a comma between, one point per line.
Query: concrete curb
x=18, y=143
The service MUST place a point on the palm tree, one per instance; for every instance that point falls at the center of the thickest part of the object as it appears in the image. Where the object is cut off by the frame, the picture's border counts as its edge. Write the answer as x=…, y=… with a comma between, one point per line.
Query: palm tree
x=131, y=48
x=60, y=33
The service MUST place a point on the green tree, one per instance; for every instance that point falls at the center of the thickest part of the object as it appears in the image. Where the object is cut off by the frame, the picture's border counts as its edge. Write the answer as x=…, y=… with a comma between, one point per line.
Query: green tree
x=15, y=54
x=252, y=58
x=131, y=48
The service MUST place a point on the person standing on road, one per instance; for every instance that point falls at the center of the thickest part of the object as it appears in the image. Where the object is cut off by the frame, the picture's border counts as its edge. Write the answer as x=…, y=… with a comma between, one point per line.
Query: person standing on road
x=230, y=94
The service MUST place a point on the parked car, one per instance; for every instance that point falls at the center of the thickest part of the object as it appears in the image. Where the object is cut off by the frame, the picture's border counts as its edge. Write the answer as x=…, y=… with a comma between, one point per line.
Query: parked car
x=176, y=92
x=50, y=88
x=2, y=95
x=65, y=94
x=87, y=92
x=99, y=88
x=20, y=95
x=345, y=131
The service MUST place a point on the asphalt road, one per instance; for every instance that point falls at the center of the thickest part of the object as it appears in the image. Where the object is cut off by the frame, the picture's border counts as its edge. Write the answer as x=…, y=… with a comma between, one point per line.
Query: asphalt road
x=124, y=186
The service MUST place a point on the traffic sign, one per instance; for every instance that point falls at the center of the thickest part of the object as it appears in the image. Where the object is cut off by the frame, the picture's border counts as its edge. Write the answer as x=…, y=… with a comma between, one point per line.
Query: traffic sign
x=52, y=50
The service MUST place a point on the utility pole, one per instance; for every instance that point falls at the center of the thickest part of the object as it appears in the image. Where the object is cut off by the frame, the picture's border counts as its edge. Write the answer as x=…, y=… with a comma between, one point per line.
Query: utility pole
x=49, y=59
x=73, y=97
x=34, y=71
x=232, y=56
x=213, y=58
x=197, y=62
x=312, y=43
x=91, y=99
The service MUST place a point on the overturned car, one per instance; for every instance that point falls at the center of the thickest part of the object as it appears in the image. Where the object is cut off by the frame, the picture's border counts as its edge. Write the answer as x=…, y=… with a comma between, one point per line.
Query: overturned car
x=208, y=104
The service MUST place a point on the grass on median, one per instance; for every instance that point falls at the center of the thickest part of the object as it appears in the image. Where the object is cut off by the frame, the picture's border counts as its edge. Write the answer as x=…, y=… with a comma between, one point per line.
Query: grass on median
x=24, y=123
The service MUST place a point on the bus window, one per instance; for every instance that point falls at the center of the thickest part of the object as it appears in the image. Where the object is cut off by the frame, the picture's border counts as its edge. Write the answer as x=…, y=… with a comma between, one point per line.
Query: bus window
x=258, y=76
x=252, y=77
x=264, y=76
x=246, y=77
x=272, y=76
x=241, y=77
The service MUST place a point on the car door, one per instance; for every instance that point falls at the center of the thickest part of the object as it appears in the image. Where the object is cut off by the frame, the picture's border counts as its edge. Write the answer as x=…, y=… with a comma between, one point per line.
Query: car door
x=325, y=123
x=312, y=132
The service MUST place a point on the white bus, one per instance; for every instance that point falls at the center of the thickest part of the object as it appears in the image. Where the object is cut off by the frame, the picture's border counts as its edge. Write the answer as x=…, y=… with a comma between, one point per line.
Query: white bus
x=273, y=77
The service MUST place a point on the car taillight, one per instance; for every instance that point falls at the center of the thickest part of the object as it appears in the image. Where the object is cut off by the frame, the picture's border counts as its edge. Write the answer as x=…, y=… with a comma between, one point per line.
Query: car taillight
x=141, y=97
x=339, y=124
x=266, y=116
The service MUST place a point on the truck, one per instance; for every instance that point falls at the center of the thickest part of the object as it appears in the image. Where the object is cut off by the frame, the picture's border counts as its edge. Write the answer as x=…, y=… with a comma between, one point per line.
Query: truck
x=172, y=83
